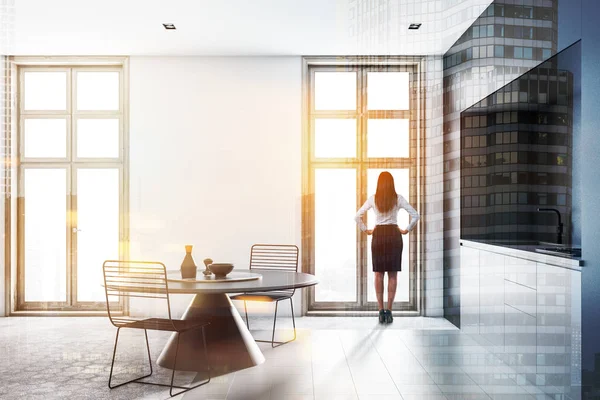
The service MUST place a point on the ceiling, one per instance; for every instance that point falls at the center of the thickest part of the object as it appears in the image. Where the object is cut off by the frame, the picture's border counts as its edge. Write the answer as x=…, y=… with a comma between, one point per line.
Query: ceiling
x=235, y=27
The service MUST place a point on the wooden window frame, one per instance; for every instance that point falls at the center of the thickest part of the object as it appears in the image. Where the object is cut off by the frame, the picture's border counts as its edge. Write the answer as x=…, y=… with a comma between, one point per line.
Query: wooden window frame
x=14, y=164
x=361, y=164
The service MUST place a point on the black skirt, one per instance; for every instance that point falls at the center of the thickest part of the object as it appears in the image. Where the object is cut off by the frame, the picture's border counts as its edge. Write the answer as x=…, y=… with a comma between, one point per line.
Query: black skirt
x=386, y=248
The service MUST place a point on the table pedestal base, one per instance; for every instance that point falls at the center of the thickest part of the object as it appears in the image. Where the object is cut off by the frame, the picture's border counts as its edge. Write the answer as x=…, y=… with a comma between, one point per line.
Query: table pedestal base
x=231, y=347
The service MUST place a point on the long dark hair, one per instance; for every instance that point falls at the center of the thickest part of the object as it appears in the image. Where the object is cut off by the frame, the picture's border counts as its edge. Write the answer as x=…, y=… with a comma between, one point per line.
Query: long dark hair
x=385, y=196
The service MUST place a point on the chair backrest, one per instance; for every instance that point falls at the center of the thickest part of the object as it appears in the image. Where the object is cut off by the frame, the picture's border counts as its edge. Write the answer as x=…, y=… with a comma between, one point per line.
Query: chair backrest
x=275, y=257
x=137, y=279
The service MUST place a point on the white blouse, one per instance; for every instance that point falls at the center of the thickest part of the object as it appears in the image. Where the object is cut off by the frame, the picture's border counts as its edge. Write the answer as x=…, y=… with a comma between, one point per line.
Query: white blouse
x=388, y=218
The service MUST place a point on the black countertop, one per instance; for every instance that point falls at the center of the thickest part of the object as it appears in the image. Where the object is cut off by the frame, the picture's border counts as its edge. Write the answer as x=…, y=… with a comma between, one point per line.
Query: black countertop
x=528, y=251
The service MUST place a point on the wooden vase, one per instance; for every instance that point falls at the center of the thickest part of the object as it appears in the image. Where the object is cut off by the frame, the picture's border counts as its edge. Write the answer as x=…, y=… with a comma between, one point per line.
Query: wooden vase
x=188, y=267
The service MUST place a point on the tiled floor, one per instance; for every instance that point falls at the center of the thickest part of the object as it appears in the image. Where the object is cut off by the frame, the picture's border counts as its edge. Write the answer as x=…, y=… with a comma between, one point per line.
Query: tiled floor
x=333, y=358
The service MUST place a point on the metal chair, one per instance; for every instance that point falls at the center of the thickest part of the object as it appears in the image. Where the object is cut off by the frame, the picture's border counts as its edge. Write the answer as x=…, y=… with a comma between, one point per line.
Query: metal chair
x=272, y=257
x=144, y=279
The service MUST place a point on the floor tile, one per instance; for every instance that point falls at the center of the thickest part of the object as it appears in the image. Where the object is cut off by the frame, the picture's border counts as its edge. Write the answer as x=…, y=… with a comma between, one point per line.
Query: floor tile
x=330, y=396
x=467, y=396
x=379, y=397
x=418, y=389
x=249, y=392
x=368, y=387
x=341, y=386
x=426, y=396
x=283, y=388
x=291, y=396
x=463, y=390
x=408, y=378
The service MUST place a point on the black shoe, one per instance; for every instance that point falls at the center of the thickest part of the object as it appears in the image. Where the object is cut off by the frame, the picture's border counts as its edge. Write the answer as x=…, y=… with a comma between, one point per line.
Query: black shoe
x=381, y=316
x=388, y=316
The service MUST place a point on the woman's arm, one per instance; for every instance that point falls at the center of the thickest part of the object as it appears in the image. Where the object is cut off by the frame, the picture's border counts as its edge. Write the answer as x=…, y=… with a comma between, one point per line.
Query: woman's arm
x=358, y=218
x=414, y=215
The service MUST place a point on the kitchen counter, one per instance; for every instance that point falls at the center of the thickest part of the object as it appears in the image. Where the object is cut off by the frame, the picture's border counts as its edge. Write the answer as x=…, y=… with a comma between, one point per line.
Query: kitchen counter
x=527, y=252
x=525, y=308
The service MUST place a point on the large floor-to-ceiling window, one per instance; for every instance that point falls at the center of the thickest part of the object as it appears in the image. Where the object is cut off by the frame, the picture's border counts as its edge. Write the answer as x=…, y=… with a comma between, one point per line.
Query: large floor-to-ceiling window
x=70, y=183
x=361, y=120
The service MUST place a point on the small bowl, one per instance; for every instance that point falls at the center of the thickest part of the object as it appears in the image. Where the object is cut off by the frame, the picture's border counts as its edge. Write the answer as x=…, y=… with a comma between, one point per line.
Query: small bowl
x=220, y=269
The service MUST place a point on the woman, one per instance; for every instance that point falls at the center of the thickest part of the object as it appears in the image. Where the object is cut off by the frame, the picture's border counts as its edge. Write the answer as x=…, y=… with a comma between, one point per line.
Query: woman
x=386, y=246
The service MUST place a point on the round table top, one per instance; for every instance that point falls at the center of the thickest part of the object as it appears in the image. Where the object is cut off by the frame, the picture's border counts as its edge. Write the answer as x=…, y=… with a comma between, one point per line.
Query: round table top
x=269, y=280
x=234, y=276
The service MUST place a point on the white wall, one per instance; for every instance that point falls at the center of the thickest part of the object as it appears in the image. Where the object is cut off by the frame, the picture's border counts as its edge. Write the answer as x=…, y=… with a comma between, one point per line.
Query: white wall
x=3, y=151
x=215, y=157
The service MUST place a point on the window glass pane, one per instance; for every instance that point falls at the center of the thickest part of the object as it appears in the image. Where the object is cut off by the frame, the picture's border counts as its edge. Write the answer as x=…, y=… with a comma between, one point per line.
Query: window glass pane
x=335, y=90
x=45, y=91
x=98, y=138
x=335, y=138
x=401, y=182
x=45, y=138
x=98, y=224
x=45, y=233
x=518, y=52
x=335, y=234
x=97, y=91
x=388, y=90
x=388, y=138
x=499, y=51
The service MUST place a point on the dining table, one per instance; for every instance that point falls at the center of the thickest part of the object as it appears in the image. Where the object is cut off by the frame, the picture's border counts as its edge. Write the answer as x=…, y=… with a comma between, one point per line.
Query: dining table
x=230, y=345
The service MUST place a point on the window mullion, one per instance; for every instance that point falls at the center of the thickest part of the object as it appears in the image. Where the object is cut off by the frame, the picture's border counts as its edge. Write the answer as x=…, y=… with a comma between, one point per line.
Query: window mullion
x=362, y=183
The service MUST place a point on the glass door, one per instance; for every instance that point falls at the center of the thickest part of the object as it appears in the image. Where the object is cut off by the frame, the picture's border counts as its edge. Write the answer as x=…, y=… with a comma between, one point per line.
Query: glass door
x=362, y=122
x=70, y=185
x=44, y=236
x=96, y=229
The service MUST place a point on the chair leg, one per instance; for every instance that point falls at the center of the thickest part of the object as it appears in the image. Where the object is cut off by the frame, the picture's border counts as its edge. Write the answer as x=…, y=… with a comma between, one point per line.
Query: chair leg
x=206, y=353
x=246, y=312
x=174, y=364
x=170, y=386
x=274, y=322
x=148, y=348
x=293, y=318
x=187, y=389
x=272, y=341
x=113, y=363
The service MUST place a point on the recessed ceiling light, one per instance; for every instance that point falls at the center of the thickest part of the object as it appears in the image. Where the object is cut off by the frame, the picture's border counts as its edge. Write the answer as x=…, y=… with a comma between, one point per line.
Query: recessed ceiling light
x=414, y=26
x=169, y=26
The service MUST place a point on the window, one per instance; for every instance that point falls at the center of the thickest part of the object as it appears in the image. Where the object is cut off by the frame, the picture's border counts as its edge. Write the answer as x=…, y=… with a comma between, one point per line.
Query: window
x=518, y=32
x=361, y=122
x=544, y=34
x=518, y=52
x=528, y=33
x=546, y=54
x=70, y=145
x=544, y=13
x=499, y=10
x=499, y=51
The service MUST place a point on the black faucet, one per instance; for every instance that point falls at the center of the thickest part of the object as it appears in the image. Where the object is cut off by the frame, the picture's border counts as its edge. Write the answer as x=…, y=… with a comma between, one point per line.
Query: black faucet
x=559, y=228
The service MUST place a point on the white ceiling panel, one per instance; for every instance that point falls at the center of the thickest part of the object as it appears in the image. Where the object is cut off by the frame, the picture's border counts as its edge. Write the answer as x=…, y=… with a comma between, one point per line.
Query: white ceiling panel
x=235, y=27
